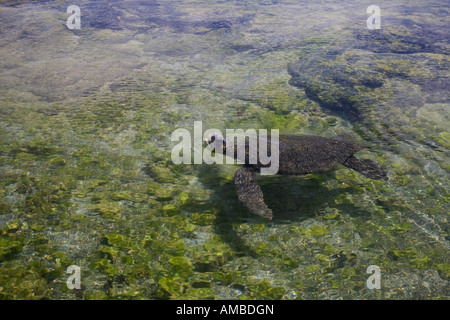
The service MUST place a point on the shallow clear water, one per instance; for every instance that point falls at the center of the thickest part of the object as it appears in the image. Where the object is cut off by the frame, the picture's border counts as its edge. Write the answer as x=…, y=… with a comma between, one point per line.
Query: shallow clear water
x=87, y=178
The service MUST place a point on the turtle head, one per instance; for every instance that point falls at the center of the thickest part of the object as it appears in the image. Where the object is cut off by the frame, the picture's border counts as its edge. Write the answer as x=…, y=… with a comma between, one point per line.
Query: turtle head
x=215, y=141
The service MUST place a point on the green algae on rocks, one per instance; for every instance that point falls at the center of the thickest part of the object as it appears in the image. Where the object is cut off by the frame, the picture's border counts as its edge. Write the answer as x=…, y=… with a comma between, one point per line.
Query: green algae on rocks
x=86, y=176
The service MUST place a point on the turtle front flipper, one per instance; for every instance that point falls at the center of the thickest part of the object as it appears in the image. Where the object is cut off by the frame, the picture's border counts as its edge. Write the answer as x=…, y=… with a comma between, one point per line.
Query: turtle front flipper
x=367, y=167
x=250, y=194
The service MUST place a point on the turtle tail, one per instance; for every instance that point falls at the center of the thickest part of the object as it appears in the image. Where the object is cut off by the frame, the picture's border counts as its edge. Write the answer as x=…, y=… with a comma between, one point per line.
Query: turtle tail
x=367, y=167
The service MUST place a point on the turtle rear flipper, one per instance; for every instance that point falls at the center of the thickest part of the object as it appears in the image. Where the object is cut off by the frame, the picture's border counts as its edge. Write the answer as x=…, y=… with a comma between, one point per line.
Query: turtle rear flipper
x=250, y=194
x=367, y=167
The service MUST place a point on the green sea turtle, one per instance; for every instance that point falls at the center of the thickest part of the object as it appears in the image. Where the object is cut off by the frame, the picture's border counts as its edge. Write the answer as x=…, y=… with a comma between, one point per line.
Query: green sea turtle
x=298, y=155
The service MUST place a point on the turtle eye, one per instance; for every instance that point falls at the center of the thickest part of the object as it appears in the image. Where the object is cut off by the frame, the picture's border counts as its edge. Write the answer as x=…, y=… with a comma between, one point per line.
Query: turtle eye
x=213, y=138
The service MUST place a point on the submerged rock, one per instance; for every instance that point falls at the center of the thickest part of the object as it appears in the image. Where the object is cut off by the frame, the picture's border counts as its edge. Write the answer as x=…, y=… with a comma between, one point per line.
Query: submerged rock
x=407, y=38
x=344, y=79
